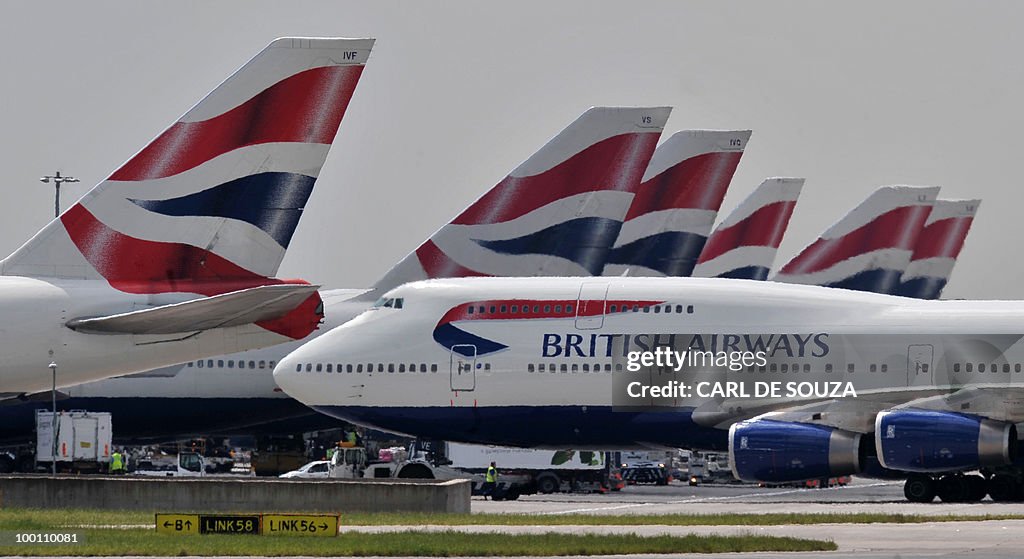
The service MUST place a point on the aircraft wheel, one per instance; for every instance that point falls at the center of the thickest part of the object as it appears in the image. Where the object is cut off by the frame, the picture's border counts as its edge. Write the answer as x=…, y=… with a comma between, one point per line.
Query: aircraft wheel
x=953, y=489
x=1004, y=488
x=415, y=471
x=919, y=489
x=977, y=488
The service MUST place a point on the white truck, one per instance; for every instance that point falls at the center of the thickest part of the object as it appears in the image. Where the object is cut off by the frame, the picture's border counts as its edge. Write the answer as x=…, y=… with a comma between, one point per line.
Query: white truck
x=520, y=471
x=82, y=442
x=186, y=464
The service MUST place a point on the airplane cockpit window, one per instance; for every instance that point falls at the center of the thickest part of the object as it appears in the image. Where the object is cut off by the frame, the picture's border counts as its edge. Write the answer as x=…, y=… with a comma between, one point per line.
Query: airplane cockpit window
x=389, y=303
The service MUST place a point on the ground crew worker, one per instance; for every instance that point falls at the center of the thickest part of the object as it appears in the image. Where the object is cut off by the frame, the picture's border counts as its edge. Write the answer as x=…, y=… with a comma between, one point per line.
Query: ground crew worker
x=330, y=453
x=116, y=463
x=352, y=437
x=490, y=481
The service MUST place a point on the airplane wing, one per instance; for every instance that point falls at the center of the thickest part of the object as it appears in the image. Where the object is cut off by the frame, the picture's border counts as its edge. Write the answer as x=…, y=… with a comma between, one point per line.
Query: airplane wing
x=245, y=306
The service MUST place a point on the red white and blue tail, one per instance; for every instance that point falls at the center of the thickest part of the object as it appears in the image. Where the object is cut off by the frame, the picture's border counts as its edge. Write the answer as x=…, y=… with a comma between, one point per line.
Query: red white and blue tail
x=869, y=248
x=211, y=204
x=937, y=248
x=744, y=244
x=556, y=214
x=676, y=205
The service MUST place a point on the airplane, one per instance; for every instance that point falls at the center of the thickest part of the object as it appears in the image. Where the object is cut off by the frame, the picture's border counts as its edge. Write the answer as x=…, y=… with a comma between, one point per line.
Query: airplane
x=676, y=204
x=744, y=244
x=937, y=248
x=870, y=247
x=231, y=394
x=545, y=363
x=172, y=257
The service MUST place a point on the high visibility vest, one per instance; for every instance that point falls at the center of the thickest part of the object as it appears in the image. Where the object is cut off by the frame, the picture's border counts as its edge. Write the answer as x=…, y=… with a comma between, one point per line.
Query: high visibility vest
x=115, y=462
x=352, y=437
x=492, y=475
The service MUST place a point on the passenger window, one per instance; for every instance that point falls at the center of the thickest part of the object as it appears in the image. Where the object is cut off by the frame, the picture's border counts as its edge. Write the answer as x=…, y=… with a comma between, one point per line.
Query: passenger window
x=784, y=368
x=199, y=364
x=1016, y=367
x=391, y=367
x=885, y=368
x=309, y=367
x=487, y=366
x=330, y=368
x=319, y=367
x=252, y=364
x=761, y=369
x=547, y=309
x=298, y=368
x=433, y=367
x=689, y=309
x=515, y=309
x=969, y=367
x=1006, y=367
x=540, y=368
x=657, y=309
x=401, y=367
x=558, y=308
x=668, y=308
x=575, y=368
x=828, y=367
x=231, y=363
x=636, y=308
x=613, y=308
x=956, y=367
x=773, y=368
x=423, y=367
x=536, y=309
x=618, y=367
x=220, y=363
x=209, y=363
x=586, y=368
x=189, y=363
x=529, y=368
x=850, y=367
x=568, y=308
x=873, y=368
x=380, y=367
x=679, y=309
x=469, y=310
x=807, y=367
x=565, y=368
x=493, y=308
x=981, y=367
x=480, y=309
x=348, y=368
x=271, y=365
x=504, y=309
x=647, y=309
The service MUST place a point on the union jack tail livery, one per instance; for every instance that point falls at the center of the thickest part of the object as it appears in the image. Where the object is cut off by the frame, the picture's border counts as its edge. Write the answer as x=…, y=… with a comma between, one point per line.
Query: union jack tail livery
x=744, y=244
x=676, y=204
x=869, y=248
x=556, y=214
x=937, y=248
x=173, y=256
x=216, y=197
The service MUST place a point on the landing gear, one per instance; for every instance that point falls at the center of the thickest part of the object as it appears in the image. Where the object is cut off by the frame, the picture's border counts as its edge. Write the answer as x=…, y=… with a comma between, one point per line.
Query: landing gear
x=953, y=488
x=919, y=488
x=1004, y=488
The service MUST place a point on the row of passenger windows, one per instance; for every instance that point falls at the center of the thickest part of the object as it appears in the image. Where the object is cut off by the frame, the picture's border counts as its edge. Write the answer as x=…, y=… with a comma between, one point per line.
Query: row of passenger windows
x=231, y=364
x=573, y=367
x=568, y=309
x=368, y=367
x=982, y=367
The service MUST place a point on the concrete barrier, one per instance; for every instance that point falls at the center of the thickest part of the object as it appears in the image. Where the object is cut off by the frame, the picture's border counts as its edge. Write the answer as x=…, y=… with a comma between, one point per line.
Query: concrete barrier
x=233, y=494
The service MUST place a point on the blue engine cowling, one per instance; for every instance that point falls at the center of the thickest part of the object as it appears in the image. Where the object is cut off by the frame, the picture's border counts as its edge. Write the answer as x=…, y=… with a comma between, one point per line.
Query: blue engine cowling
x=937, y=441
x=781, y=451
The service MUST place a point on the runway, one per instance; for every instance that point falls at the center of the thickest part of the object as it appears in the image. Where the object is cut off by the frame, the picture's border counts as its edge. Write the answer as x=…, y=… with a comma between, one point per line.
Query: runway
x=868, y=496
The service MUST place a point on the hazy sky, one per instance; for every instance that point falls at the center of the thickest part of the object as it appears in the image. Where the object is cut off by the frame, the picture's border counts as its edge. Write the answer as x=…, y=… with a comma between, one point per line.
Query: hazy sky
x=851, y=96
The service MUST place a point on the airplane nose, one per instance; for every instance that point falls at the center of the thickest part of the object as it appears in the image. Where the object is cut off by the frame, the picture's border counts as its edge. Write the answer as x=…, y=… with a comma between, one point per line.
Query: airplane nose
x=292, y=376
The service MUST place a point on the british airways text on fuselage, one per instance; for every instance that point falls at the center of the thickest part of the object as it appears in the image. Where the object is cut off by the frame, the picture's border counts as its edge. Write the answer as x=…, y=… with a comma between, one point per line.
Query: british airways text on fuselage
x=619, y=345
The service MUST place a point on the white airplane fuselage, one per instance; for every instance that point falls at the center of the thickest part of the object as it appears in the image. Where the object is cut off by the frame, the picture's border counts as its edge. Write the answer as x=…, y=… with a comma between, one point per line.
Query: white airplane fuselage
x=544, y=377
x=34, y=334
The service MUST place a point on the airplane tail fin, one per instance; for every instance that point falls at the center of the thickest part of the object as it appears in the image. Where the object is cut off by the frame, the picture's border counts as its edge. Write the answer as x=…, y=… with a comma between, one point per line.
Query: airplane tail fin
x=217, y=196
x=937, y=248
x=676, y=204
x=556, y=214
x=744, y=244
x=869, y=248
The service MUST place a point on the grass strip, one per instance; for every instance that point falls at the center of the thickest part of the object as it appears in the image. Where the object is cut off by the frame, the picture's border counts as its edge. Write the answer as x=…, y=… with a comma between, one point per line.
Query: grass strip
x=37, y=519
x=411, y=543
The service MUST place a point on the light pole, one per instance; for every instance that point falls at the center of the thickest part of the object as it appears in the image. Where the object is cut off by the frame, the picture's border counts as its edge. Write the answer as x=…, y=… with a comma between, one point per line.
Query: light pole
x=57, y=180
x=53, y=434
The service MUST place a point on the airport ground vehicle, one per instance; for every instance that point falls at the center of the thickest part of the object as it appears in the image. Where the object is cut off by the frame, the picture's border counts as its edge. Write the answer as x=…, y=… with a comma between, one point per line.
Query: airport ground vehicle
x=312, y=470
x=521, y=471
x=186, y=464
x=82, y=442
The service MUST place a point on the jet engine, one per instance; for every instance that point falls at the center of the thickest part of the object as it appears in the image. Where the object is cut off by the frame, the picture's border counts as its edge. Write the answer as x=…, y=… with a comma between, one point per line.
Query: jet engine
x=938, y=441
x=782, y=451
